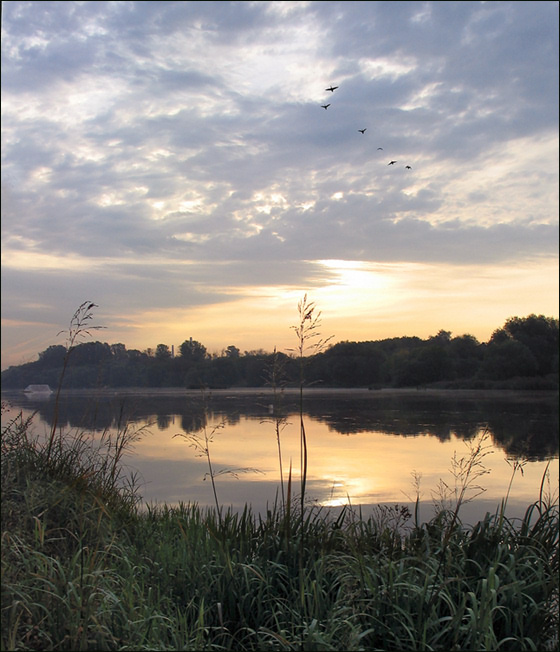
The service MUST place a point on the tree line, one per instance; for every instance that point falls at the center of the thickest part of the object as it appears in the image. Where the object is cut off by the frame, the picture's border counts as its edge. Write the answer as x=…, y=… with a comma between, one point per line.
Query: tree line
x=522, y=354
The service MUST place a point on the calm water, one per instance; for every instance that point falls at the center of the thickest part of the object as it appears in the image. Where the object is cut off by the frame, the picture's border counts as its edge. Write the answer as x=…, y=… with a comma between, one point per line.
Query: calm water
x=364, y=446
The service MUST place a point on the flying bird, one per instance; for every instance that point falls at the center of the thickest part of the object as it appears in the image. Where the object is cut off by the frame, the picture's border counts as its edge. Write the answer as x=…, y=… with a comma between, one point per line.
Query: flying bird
x=325, y=106
x=362, y=131
x=408, y=167
x=392, y=163
x=380, y=148
x=332, y=89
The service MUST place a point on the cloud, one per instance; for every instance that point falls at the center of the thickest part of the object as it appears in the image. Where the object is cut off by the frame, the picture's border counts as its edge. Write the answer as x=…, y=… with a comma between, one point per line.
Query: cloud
x=165, y=150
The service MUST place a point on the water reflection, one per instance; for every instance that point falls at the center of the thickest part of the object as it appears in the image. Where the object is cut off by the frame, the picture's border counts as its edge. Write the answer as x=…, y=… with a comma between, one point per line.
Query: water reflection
x=363, y=446
x=522, y=424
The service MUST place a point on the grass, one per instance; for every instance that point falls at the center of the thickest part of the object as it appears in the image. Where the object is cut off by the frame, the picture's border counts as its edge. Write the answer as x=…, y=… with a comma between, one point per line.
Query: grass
x=84, y=568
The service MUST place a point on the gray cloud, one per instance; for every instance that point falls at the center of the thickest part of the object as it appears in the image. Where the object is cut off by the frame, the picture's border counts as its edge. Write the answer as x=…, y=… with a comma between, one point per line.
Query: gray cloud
x=193, y=132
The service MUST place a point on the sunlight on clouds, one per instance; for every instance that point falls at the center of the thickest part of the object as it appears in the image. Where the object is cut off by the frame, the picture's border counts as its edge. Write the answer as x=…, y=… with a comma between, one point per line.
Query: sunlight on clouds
x=260, y=318
x=356, y=275
x=120, y=198
x=422, y=99
x=188, y=205
x=286, y=8
x=20, y=253
x=41, y=174
x=197, y=238
x=419, y=299
x=265, y=203
x=256, y=68
x=86, y=98
x=161, y=152
x=511, y=193
x=423, y=15
x=496, y=187
x=34, y=260
x=110, y=199
x=385, y=67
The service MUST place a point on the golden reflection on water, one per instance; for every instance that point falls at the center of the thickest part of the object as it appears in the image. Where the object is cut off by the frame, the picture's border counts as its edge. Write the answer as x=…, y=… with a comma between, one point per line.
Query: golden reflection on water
x=361, y=469
x=358, y=469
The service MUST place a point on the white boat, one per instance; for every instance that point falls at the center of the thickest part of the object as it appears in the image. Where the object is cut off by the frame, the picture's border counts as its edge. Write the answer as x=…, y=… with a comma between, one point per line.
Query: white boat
x=32, y=390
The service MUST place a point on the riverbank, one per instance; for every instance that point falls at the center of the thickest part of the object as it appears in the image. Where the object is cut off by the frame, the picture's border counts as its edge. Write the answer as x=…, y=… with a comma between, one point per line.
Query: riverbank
x=310, y=392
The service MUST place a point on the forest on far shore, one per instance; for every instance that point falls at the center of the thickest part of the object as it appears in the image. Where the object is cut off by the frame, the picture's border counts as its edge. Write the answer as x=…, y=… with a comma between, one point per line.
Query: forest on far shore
x=522, y=354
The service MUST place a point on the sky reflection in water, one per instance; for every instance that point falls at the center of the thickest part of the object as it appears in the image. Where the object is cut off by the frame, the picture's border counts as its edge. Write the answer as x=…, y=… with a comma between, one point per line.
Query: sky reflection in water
x=363, y=447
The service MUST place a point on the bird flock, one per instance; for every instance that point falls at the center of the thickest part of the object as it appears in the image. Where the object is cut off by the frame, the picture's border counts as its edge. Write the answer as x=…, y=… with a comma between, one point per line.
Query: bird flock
x=332, y=89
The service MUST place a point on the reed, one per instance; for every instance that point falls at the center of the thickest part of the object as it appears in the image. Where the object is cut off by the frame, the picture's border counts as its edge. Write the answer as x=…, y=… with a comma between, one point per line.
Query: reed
x=78, y=329
x=309, y=342
x=275, y=377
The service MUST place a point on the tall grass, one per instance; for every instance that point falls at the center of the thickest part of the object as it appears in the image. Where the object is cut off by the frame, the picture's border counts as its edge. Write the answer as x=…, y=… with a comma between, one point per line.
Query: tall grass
x=275, y=377
x=309, y=342
x=78, y=329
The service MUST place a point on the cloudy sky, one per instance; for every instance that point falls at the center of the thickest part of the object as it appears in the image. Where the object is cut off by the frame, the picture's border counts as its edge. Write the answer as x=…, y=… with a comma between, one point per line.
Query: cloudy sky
x=172, y=162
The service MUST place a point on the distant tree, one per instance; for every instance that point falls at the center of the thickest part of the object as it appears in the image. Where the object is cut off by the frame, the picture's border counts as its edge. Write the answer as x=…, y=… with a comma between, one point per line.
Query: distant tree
x=222, y=372
x=466, y=354
x=442, y=336
x=135, y=354
x=539, y=334
x=192, y=351
x=53, y=356
x=118, y=351
x=432, y=362
x=232, y=352
x=163, y=352
x=91, y=353
x=508, y=358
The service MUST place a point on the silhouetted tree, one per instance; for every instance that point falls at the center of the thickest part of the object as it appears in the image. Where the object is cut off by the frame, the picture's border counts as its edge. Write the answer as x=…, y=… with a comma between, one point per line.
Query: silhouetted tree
x=52, y=357
x=507, y=358
x=119, y=351
x=539, y=334
x=163, y=352
x=465, y=356
x=232, y=352
x=192, y=350
x=91, y=353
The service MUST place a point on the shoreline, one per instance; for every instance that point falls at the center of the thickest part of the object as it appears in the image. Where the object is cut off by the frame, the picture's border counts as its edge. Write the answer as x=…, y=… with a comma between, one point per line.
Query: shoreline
x=307, y=391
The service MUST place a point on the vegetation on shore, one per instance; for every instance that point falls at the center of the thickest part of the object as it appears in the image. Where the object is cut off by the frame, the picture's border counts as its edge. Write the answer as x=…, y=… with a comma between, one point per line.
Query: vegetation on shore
x=523, y=354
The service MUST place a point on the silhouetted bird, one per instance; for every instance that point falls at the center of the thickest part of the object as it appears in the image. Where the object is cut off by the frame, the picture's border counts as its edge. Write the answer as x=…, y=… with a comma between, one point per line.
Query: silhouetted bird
x=392, y=163
x=362, y=131
x=408, y=167
x=379, y=148
x=325, y=106
x=332, y=89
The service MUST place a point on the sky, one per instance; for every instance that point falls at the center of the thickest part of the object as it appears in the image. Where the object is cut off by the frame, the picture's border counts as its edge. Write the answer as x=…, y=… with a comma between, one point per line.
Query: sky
x=172, y=162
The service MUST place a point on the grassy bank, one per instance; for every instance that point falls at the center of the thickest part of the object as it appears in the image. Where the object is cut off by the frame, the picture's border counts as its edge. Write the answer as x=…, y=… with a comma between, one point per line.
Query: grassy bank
x=83, y=568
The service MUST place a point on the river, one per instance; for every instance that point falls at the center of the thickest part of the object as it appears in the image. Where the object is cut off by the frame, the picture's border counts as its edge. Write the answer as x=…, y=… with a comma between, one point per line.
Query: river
x=365, y=448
